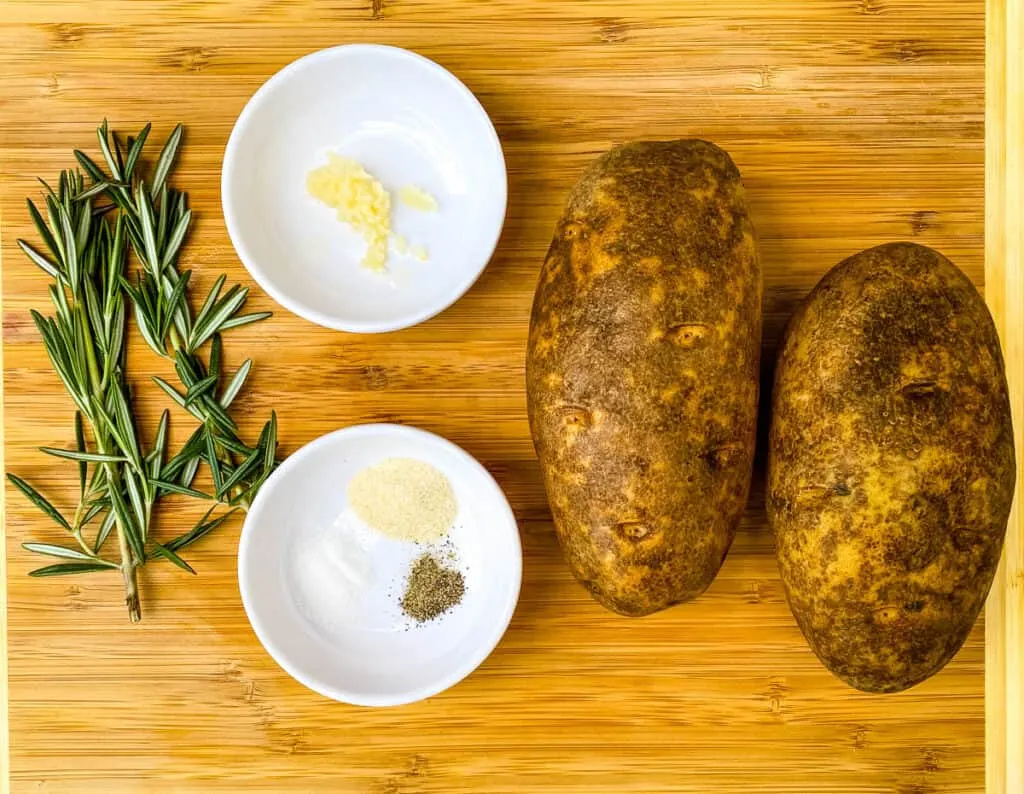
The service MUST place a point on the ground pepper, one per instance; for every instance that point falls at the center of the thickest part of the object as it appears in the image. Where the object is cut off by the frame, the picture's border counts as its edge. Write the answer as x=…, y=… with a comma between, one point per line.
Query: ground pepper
x=431, y=589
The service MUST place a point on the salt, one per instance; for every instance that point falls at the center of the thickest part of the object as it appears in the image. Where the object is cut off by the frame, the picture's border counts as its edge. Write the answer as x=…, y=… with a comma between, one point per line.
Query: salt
x=329, y=570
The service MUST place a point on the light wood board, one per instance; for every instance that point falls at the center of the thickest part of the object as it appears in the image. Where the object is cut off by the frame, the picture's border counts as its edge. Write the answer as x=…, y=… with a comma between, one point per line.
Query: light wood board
x=854, y=122
x=1004, y=277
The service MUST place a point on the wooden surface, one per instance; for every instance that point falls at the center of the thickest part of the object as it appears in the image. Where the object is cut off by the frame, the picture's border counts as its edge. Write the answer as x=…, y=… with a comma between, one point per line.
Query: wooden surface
x=1004, y=276
x=854, y=122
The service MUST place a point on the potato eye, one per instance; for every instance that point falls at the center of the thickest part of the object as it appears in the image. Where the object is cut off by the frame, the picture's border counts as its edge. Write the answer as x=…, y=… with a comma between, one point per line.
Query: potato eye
x=723, y=455
x=687, y=335
x=633, y=530
x=577, y=416
x=919, y=388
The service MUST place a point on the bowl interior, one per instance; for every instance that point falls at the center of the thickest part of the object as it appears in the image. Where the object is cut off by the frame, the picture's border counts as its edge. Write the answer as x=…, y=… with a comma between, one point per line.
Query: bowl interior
x=408, y=121
x=356, y=645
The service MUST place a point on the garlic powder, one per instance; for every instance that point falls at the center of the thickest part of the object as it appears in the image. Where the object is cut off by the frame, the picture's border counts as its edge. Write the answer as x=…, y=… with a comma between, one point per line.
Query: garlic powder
x=405, y=499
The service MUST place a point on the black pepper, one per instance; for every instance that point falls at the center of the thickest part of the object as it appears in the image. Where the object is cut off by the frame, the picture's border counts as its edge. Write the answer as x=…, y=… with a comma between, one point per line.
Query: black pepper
x=431, y=589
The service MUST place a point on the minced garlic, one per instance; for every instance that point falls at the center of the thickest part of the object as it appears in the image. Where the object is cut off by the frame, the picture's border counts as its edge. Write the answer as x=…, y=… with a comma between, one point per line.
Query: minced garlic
x=417, y=198
x=359, y=199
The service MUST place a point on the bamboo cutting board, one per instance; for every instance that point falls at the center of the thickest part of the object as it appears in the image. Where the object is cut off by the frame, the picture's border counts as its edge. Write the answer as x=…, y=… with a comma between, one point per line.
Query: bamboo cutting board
x=854, y=122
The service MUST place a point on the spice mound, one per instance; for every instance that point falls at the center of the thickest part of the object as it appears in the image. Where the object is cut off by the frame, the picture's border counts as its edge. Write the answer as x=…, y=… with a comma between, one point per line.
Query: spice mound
x=405, y=499
x=431, y=589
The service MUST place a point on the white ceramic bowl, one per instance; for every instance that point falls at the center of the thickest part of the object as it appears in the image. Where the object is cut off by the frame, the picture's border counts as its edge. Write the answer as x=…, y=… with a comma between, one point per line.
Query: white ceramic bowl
x=408, y=121
x=301, y=544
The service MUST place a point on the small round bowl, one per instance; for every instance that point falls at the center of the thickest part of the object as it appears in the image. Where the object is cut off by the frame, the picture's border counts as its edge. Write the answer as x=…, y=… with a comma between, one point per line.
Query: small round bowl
x=408, y=121
x=323, y=592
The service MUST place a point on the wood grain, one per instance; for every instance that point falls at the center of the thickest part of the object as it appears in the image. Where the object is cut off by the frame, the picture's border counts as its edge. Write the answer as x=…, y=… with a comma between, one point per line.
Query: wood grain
x=1004, y=277
x=5, y=738
x=854, y=122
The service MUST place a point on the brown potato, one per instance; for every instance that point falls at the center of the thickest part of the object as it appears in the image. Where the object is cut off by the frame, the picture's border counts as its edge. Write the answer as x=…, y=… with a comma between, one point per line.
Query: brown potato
x=891, y=464
x=642, y=371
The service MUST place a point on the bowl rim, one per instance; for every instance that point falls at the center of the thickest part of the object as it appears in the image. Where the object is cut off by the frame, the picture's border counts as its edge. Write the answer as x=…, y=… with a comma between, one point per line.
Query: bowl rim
x=471, y=662
x=229, y=165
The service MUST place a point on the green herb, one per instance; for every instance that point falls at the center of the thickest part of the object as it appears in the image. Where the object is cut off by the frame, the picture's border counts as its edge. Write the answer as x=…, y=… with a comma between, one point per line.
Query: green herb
x=85, y=250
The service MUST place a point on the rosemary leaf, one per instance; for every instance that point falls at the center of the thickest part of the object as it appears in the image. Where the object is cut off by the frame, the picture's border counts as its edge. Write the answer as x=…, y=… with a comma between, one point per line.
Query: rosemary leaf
x=213, y=462
x=245, y=319
x=117, y=152
x=218, y=416
x=126, y=426
x=95, y=310
x=200, y=388
x=269, y=444
x=159, y=446
x=245, y=468
x=82, y=457
x=43, y=229
x=90, y=167
x=96, y=189
x=174, y=395
x=111, y=426
x=173, y=487
x=126, y=523
x=134, y=150
x=63, y=568
x=216, y=352
x=83, y=466
x=94, y=510
x=229, y=442
x=38, y=500
x=166, y=159
x=236, y=383
x=176, y=239
x=199, y=530
x=147, y=224
x=188, y=474
x=102, y=137
x=230, y=304
x=249, y=493
x=161, y=224
x=135, y=497
x=168, y=554
x=101, y=537
x=115, y=342
x=67, y=236
x=82, y=230
x=115, y=256
x=191, y=450
x=211, y=300
x=63, y=551
x=45, y=264
x=174, y=301
x=151, y=335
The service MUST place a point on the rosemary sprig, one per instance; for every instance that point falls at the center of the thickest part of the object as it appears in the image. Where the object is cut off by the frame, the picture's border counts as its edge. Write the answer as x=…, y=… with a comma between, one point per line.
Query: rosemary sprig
x=84, y=339
x=157, y=221
x=85, y=251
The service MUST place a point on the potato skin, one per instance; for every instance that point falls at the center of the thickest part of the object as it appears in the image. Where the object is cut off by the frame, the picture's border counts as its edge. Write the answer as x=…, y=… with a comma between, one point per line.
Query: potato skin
x=891, y=464
x=642, y=371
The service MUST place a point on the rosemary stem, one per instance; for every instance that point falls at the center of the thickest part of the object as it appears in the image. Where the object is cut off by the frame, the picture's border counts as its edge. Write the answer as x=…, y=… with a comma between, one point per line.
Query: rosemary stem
x=90, y=351
x=77, y=530
x=128, y=562
x=131, y=584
